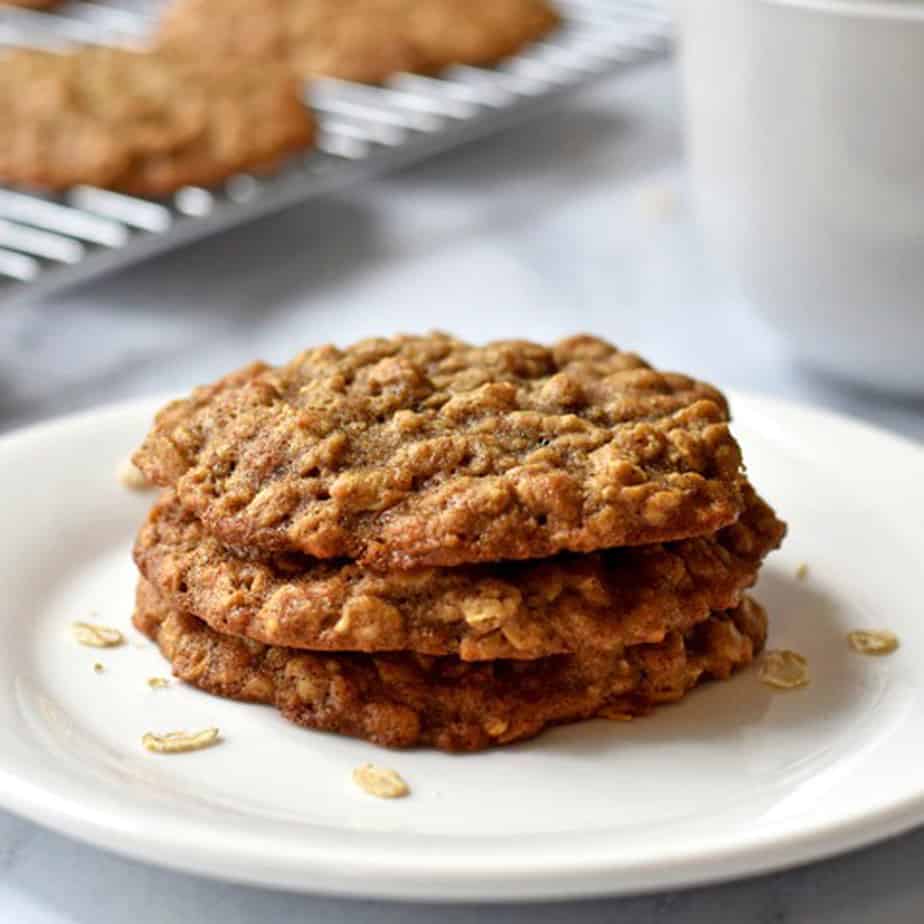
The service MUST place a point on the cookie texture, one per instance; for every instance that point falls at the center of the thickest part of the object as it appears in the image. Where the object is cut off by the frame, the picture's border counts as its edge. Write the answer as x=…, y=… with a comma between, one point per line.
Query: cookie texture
x=404, y=700
x=360, y=40
x=330, y=38
x=475, y=32
x=426, y=451
x=142, y=123
x=606, y=600
x=31, y=4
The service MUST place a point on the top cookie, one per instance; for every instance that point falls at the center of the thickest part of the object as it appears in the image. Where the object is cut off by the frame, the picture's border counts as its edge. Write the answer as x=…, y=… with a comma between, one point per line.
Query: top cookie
x=145, y=124
x=362, y=40
x=417, y=451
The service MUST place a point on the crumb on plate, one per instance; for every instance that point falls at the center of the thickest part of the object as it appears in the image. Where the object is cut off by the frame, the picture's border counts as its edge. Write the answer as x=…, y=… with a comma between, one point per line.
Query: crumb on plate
x=96, y=636
x=179, y=742
x=784, y=669
x=380, y=782
x=872, y=641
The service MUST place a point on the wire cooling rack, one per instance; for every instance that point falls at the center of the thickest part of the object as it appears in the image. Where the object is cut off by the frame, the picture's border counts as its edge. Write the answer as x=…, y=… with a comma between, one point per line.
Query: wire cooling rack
x=49, y=242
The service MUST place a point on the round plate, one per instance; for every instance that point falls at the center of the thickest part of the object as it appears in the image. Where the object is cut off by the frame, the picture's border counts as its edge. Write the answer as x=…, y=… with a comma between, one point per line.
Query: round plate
x=736, y=779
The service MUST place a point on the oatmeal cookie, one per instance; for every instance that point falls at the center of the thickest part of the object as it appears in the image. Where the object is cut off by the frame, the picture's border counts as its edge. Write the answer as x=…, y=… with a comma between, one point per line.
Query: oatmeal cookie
x=332, y=38
x=360, y=40
x=426, y=451
x=524, y=610
x=474, y=32
x=31, y=4
x=141, y=123
x=405, y=700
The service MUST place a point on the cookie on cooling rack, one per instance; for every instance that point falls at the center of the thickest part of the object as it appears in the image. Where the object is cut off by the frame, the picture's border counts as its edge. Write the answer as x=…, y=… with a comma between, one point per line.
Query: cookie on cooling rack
x=31, y=4
x=141, y=123
x=360, y=40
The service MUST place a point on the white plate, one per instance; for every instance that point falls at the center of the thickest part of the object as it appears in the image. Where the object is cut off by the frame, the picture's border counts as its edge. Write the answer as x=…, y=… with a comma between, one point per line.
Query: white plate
x=735, y=780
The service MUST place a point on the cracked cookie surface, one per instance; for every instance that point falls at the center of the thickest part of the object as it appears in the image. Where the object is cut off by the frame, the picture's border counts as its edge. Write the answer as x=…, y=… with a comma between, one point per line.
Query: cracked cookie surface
x=405, y=700
x=427, y=451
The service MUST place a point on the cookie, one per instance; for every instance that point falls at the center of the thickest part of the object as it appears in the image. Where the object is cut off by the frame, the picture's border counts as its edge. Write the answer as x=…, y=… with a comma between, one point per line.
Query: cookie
x=359, y=40
x=141, y=123
x=474, y=32
x=31, y=4
x=330, y=38
x=524, y=610
x=426, y=451
x=405, y=700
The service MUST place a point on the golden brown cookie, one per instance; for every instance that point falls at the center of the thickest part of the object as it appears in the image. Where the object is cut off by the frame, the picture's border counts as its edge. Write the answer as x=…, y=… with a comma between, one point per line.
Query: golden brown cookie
x=331, y=38
x=141, y=123
x=423, y=451
x=31, y=4
x=404, y=700
x=474, y=32
x=524, y=610
x=362, y=40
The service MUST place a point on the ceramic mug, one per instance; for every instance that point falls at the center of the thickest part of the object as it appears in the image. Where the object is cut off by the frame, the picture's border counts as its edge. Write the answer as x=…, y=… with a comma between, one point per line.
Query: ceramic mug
x=806, y=143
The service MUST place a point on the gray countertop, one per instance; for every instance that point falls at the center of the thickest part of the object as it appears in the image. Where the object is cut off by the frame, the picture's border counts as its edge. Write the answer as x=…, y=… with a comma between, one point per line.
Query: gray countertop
x=576, y=222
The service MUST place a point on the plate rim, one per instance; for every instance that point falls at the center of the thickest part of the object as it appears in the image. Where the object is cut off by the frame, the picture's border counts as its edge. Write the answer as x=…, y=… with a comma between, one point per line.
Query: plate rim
x=423, y=877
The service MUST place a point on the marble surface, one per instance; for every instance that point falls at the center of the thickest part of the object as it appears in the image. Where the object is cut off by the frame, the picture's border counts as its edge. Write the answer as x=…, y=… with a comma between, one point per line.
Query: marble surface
x=576, y=222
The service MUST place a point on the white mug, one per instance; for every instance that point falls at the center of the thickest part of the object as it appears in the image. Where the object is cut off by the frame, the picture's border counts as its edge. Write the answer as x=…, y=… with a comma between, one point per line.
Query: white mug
x=806, y=143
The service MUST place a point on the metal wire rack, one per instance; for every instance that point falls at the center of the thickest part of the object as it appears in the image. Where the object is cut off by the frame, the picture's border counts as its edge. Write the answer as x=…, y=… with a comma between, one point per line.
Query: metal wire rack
x=49, y=242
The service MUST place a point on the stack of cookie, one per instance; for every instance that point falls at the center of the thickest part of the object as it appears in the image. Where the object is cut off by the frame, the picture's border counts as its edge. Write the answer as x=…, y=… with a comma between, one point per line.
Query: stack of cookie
x=421, y=542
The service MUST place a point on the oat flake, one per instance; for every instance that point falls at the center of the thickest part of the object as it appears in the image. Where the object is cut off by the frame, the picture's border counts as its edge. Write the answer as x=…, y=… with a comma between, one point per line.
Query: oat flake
x=872, y=641
x=380, y=782
x=784, y=669
x=96, y=636
x=179, y=742
x=131, y=477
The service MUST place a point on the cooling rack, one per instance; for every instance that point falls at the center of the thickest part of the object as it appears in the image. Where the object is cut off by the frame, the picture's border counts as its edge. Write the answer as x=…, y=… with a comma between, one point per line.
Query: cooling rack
x=50, y=242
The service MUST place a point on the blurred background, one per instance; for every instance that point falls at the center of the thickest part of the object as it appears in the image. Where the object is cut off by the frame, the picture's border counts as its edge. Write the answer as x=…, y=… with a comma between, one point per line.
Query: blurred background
x=584, y=215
